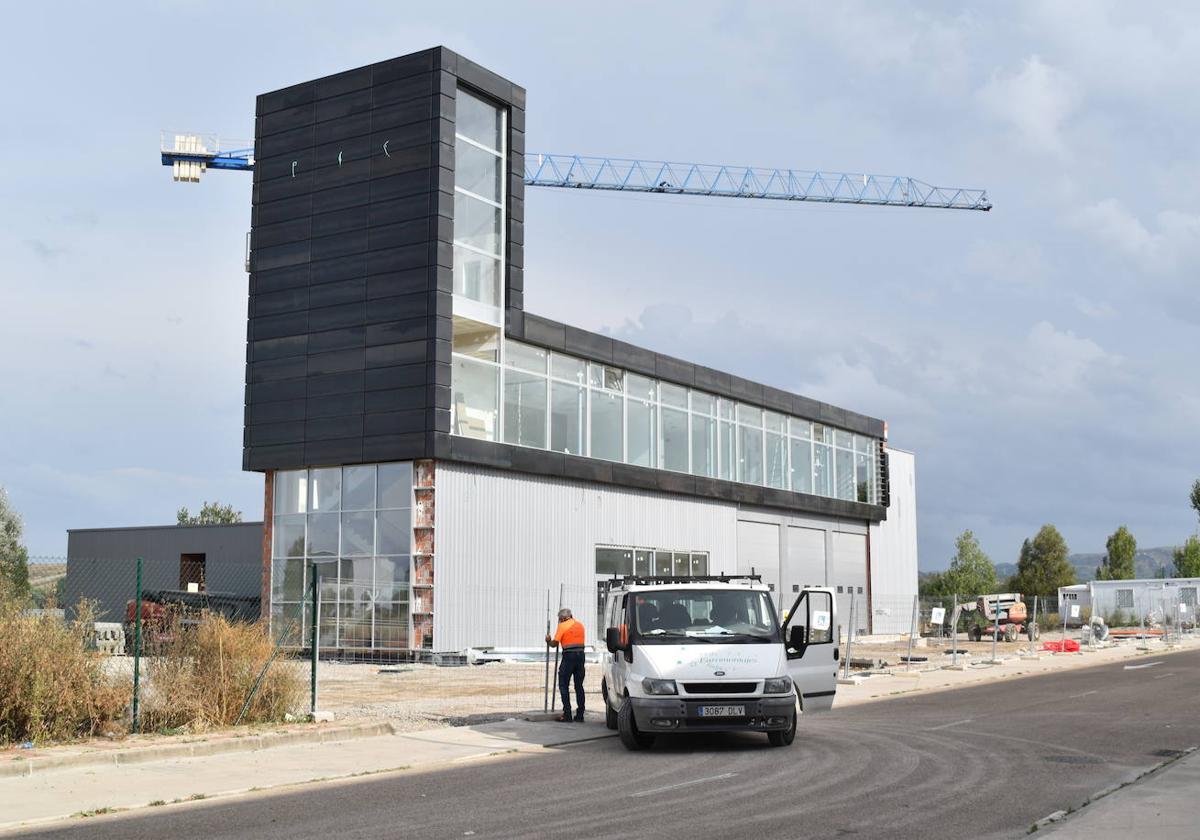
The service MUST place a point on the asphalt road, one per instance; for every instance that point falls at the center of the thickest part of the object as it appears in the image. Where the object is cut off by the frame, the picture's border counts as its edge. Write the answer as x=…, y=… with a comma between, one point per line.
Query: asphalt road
x=971, y=763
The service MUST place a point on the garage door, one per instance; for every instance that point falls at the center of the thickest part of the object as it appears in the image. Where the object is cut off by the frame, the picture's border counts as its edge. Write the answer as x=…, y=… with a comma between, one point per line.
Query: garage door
x=849, y=578
x=758, y=550
x=805, y=559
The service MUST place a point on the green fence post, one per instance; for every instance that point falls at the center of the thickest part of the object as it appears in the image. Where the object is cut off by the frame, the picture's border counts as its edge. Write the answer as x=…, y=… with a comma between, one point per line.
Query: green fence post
x=137, y=645
x=313, y=640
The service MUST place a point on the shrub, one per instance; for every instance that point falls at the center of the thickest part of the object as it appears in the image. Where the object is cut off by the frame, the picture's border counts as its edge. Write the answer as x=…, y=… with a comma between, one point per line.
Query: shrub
x=52, y=688
x=204, y=674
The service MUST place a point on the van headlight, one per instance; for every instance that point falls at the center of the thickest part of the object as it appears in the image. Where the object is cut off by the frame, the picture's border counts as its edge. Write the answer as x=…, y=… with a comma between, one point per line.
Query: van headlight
x=652, y=686
x=777, y=685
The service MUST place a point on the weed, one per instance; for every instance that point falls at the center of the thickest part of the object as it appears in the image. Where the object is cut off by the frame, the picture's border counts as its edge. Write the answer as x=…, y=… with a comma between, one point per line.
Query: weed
x=157, y=802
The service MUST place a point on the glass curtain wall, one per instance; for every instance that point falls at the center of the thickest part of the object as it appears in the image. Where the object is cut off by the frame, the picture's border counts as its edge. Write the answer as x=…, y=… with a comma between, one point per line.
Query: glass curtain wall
x=558, y=402
x=354, y=525
x=479, y=194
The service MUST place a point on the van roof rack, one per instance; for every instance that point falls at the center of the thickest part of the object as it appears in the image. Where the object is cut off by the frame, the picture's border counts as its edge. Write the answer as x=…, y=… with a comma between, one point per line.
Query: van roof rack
x=652, y=579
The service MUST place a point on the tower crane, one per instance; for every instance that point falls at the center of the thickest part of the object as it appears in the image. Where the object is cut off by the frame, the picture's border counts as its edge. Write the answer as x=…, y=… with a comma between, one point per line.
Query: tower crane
x=190, y=155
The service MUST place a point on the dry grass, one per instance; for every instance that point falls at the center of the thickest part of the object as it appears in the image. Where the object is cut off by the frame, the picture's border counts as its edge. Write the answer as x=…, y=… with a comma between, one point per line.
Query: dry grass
x=52, y=688
x=201, y=678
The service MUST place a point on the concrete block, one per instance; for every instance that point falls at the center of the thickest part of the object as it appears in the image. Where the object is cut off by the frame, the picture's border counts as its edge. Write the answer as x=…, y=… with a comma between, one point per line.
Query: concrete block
x=322, y=717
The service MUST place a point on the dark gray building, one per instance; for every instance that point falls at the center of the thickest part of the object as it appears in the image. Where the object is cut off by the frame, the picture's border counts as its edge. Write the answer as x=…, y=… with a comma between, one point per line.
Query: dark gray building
x=102, y=562
x=390, y=357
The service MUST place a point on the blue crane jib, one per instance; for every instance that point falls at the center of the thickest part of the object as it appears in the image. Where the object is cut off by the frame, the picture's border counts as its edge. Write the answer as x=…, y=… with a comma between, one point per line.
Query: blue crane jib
x=190, y=155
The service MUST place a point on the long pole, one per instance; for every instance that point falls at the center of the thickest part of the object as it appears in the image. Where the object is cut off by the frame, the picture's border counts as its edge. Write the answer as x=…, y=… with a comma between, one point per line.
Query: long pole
x=316, y=607
x=137, y=647
x=912, y=630
x=995, y=627
x=553, y=695
x=546, y=682
x=849, y=641
x=954, y=631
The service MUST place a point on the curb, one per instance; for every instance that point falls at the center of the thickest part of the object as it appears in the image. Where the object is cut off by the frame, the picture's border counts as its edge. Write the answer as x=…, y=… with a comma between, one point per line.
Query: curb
x=140, y=755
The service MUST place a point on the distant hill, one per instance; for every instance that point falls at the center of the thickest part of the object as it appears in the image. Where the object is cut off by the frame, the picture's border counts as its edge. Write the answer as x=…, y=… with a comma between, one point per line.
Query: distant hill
x=1148, y=563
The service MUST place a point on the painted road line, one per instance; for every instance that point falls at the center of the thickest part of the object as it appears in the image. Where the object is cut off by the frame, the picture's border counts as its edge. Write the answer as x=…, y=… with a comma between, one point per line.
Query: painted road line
x=1143, y=665
x=1164, y=676
x=1085, y=694
x=948, y=725
x=683, y=784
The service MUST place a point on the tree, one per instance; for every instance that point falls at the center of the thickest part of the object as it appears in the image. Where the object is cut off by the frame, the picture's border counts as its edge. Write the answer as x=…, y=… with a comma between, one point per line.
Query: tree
x=1118, y=562
x=1194, y=497
x=971, y=571
x=1187, y=558
x=211, y=513
x=1043, y=567
x=14, y=559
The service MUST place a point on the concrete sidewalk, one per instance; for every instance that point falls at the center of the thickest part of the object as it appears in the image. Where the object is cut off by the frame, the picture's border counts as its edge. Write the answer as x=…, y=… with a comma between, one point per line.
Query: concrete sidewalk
x=1160, y=804
x=80, y=791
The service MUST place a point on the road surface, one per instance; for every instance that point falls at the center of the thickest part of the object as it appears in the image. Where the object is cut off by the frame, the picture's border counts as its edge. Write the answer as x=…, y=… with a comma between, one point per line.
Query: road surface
x=971, y=763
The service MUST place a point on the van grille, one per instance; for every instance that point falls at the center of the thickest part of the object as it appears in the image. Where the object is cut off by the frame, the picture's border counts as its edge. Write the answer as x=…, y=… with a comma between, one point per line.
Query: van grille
x=719, y=687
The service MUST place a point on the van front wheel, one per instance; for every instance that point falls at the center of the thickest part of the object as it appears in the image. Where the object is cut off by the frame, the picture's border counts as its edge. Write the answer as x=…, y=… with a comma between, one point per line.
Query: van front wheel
x=783, y=738
x=631, y=737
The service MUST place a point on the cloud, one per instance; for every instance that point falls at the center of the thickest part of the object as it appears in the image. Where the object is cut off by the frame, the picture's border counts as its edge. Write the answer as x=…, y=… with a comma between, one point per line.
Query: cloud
x=44, y=251
x=1035, y=102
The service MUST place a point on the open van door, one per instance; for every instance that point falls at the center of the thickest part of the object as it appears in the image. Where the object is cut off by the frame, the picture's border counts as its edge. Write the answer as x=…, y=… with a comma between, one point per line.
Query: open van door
x=811, y=652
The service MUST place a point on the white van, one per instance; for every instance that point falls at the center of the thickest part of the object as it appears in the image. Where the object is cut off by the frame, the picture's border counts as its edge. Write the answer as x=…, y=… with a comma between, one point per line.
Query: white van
x=709, y=654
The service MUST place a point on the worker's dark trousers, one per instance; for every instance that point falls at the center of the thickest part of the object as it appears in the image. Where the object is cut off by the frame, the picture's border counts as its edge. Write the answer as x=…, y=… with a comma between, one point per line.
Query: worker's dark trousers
x=571, y=666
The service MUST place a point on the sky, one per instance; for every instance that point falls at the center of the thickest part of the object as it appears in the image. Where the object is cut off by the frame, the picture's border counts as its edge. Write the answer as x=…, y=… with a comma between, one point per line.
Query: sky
x=1038, y=359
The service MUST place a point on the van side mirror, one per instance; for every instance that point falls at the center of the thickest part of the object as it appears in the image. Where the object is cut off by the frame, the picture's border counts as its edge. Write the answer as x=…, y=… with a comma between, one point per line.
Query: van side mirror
x=612, y=638
x=797, y=638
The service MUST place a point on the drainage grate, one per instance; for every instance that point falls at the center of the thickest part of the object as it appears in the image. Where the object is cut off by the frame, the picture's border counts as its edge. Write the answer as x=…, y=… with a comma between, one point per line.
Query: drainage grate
x=1073, y=759
x=1167, y=753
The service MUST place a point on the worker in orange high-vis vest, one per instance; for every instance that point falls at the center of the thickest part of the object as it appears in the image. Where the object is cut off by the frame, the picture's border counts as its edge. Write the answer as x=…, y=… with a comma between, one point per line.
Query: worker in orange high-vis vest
x=570, y=636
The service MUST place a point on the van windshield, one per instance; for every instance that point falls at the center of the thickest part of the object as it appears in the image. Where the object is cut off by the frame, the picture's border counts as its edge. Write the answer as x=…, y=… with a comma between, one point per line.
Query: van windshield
x=704, y=616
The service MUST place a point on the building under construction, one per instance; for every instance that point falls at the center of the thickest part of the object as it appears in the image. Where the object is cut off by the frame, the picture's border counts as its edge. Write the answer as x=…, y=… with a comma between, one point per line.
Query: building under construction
x=430, y=445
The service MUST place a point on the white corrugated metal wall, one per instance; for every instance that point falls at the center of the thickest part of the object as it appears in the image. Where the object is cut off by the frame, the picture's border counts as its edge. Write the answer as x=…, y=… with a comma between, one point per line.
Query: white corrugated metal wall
x=894, y=550
x=502, y=539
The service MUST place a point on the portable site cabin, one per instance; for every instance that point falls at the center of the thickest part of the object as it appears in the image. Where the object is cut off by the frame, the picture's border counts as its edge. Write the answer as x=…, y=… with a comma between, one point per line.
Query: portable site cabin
x=1132, y=601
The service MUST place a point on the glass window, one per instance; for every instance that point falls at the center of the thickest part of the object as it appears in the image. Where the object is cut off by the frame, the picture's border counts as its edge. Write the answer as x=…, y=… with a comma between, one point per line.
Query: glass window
x=704, y=446
x=682, y=564
x=566, y=418
x=391, y=624
x=674, y=395
x=287, y=580
x=395, y=485
x=727, y=446
x=750, y=455
x=477, y=223
x=749, y=415
x=1125, y=599
x=393, y=531
x=643, y=433
x=703, y=403
x=641, y=387
x=843, y=439
x=476, y=276
x=699, y=564
x=288, y=533
x=477, y=119
x=674, y=439
x=802, y=479
x=663, y=564
x=606, y=424
x=614, y=561
x=800, y=428
x=479, y=341
x=863, y=479
x=322, y=535
x=776, y=461
x=643, y=562
x=474, y=408
x=822, y=434
x=822, y=469
x=525, y=409
x=325, y=489
x=774, y=422
x=391, y=578
x=291, y=491
x=725, y=409
x=845, y=474
x=358, y=487
x=864, y=444
x=525, y=357
x=568, y=368
x=358, y=534
x=603, y=376
x=478, y=171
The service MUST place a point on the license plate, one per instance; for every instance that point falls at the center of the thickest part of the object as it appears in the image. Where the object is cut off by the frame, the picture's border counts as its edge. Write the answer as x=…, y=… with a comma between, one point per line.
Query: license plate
x=722, y=711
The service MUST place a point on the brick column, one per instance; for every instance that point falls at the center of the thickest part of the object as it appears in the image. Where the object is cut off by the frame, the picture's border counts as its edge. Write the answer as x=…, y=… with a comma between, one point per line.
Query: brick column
x=424, y=475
